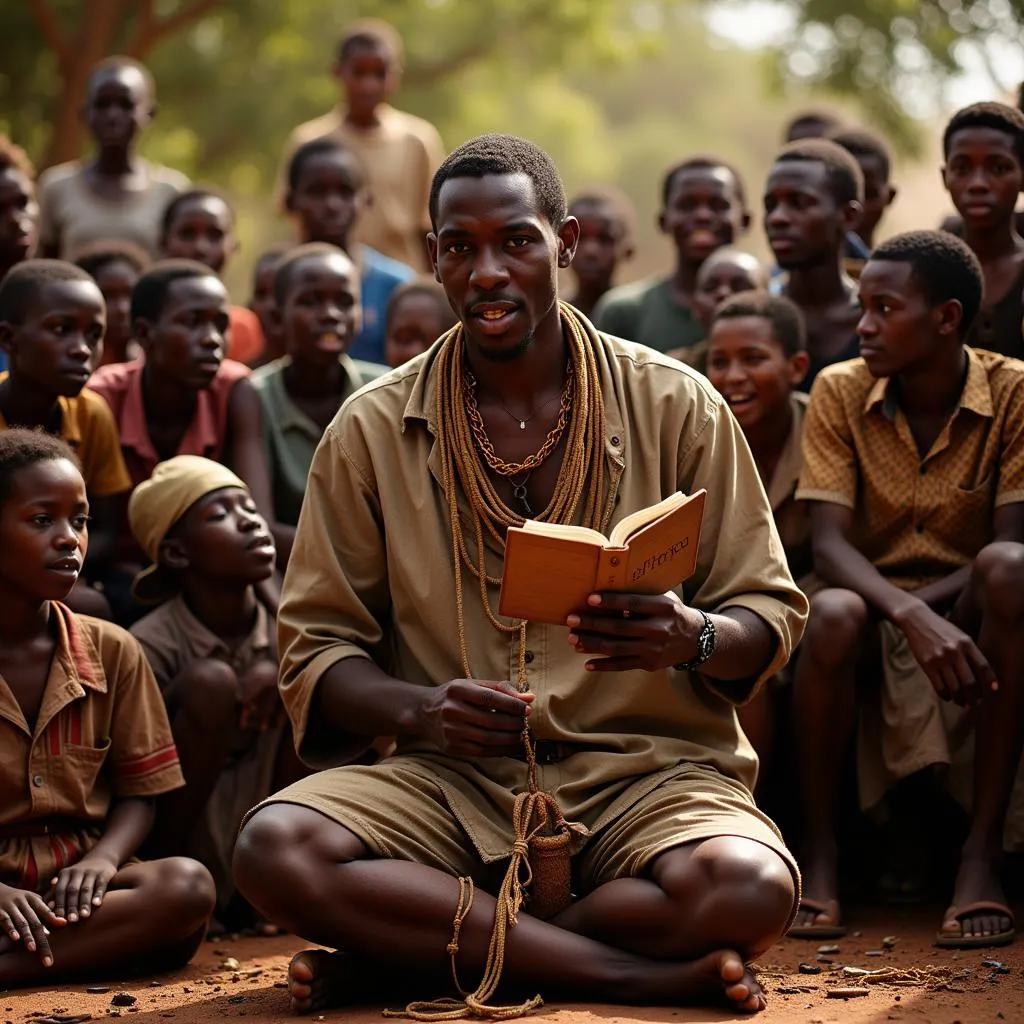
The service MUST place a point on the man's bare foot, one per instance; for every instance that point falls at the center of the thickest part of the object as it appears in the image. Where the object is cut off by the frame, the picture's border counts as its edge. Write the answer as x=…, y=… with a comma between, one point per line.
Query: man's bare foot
x=979, y=910
x=718, y=978
x=319, y=980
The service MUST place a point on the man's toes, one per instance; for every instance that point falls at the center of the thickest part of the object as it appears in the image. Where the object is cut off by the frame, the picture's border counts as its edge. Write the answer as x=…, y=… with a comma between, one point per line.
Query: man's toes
x=730, y=967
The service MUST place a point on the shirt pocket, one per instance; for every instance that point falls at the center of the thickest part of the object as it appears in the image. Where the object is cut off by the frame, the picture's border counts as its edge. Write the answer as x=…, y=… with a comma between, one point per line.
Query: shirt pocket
x=964, y=516
x=80, y=769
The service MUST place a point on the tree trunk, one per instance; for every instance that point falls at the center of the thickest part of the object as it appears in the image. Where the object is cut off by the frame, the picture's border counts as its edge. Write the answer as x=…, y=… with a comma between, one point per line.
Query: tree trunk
x=99, y=30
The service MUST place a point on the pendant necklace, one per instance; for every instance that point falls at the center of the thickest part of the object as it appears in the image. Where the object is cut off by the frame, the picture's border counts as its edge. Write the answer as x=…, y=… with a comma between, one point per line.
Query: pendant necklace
x=519, y=493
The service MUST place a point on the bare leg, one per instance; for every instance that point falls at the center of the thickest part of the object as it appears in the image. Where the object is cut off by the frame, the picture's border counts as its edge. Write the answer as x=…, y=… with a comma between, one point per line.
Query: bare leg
x=204, y=705
x=153, y=918
x=825, y=704
x=312, y=877
x=995, y=597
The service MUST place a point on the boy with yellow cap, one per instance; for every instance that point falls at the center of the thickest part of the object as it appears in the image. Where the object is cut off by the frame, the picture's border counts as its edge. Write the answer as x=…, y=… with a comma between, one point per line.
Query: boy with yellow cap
x=211, y=646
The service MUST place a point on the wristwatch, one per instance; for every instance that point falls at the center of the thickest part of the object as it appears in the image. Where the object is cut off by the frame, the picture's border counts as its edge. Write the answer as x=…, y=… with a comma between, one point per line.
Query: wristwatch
x=705, y=646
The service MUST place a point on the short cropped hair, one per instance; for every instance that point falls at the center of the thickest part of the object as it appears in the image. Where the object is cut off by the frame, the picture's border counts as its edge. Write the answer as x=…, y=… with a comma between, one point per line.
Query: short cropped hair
x=943, y=266
x=615, y=201
x=21, y=448
x=425, y=286
x=371, y=32
x=998, y=116
x=119, y=63
x=843, y=174
x=284, y=271
x=13, y=157
x=95, y=256
x=188, y=196
x=787, y=322
x=504, y=154
x=828, y=119
x=150, y=291
x=23, y=282
x=317, y=147
x=702, y=163
x=861, y=143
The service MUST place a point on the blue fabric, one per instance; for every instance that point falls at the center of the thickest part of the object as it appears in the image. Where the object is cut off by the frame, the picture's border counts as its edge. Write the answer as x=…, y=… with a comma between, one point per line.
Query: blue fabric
x=381, y=276
x=3, y=361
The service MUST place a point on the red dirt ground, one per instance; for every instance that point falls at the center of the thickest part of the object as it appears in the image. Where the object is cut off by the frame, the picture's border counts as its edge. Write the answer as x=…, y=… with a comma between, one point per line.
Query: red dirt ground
x=207, y=992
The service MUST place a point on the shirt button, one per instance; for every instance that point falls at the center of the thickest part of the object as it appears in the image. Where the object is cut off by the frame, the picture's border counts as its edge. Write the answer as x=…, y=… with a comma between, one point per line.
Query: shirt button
x=528, y=657
x=924, y=469
x=919, y=527
x=37, y=780
x=616, y=441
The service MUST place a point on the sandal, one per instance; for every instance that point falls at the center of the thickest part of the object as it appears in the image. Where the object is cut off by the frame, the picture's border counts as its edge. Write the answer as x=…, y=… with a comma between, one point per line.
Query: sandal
x=947, y=940
x=818, y=931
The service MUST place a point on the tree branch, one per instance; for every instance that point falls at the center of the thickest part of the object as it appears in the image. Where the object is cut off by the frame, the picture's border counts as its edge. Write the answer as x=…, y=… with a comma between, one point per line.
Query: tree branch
x=152, y=30
x=421, y=75
x=47, y=22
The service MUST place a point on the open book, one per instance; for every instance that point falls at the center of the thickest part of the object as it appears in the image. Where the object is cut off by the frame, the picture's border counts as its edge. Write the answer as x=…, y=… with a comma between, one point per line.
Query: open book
x=550, y=569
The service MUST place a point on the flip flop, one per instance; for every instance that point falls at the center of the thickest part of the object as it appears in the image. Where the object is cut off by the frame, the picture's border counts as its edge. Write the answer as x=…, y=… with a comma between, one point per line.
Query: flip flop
x=818, y=931
x=947, y=940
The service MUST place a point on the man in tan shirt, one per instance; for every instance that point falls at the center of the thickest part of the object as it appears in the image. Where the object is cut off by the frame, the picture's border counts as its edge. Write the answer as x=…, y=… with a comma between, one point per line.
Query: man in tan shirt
x=914, y=467
x=399, y=151
x=385, y=629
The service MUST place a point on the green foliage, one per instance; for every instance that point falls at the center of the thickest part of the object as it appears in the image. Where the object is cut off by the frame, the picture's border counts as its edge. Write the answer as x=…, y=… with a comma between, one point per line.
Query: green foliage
x=895, y=55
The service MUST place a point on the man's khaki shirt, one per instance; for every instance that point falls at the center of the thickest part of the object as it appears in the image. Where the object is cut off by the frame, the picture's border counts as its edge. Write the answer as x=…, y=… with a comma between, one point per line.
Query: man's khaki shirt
x=917, y=519
x=371, y=576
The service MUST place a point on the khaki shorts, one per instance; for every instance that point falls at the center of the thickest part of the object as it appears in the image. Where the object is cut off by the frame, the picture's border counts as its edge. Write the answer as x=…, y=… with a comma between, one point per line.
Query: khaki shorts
x=399, y=812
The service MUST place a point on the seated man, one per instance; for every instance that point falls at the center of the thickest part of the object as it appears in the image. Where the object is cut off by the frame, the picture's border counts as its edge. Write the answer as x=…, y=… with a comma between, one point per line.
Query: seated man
x=913, y=462
x=680, y=878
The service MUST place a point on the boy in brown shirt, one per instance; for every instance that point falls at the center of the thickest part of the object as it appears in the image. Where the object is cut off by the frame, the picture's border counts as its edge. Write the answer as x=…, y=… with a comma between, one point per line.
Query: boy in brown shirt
x=211, y=645
x=914, y=468
x=85, y=747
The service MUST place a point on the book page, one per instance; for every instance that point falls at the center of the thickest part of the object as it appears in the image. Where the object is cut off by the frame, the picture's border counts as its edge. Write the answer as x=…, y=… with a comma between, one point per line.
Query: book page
x=635, y=520
x=581, y=533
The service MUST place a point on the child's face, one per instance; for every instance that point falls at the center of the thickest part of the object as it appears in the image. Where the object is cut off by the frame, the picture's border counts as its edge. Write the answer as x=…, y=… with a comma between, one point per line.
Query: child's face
x=370, y=77
x=203, y=229
x=327, y=199
x=878, y=194
x=413, y=326
x=805, y=224
x=19, y=213
x=600, y=247
x=187, y=342
x=748, y=366
x=721, y=276
x=703, y=212
x=223, y=537
x=116, y=280
x=44, y=531
x=56, y=345
x=898, y=330
x=118, y=107
x=983, y=176
x=320, y=313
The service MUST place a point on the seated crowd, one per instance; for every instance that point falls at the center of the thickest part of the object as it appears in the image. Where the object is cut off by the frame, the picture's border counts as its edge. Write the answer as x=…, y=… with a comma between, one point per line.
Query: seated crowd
x=181, y=491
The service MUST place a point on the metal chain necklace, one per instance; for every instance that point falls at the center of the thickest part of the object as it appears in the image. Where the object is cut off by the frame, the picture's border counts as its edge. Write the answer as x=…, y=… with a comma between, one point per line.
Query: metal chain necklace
x=491, y=457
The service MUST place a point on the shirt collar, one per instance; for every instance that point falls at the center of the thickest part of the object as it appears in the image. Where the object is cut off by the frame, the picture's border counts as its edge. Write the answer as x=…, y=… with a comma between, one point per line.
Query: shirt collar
x=199, y=438
x=976, y=395
x=289, y=415
x=207, y=644
x=422, y=399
